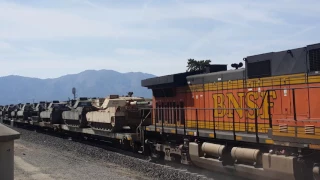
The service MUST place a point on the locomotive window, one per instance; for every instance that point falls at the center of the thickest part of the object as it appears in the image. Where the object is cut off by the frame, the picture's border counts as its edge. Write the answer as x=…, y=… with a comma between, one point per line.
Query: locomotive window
x=167, y=92
x=259, y=69
x=314, y=60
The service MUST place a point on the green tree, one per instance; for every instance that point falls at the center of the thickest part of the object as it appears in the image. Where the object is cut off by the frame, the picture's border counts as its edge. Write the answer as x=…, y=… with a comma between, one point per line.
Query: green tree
x=197, y=65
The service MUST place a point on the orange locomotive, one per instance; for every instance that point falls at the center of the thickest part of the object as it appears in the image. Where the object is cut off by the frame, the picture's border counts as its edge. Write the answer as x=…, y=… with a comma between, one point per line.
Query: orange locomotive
x=258, y=121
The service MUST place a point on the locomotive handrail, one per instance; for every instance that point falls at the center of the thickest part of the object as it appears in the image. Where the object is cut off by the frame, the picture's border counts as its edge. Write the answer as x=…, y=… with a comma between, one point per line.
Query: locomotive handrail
x=268, y=90
x=255, y=109
x=197, y=128
x=205, y=108
x=309, y=87
x=293, y=99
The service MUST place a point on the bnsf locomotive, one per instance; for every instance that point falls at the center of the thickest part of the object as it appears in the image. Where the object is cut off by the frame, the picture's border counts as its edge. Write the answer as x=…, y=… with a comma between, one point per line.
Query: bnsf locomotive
x=260, y=122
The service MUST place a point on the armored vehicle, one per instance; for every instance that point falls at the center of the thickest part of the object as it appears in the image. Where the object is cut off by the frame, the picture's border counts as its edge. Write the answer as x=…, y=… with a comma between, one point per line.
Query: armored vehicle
x=24, y=112
x=118, y=113
x=4, y=111
x=53, y=114
x=1, y=109
x=97, y=102
x=76, y=116
x=37, y=109
x=12, y=111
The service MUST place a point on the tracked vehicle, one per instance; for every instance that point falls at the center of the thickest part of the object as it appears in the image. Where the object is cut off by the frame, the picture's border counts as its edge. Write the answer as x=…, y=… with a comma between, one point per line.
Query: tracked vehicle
x=1, y=110
x=97, y=102
x=118, y=114
x=12, y=111
x=53, y=114
x=4, y=111
x=76, y=115
x=37, y=109
x=24, y=112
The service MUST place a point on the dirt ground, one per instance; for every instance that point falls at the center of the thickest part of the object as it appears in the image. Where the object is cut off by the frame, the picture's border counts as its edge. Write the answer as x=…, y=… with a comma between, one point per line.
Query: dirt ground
x=37, y=162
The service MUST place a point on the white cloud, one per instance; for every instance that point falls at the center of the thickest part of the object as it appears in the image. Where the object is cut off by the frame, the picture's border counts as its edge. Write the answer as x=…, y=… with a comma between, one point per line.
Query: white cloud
x=233, y=30
x=4, y=46
x=41, y=23
x=28, y=22
x=127, y=51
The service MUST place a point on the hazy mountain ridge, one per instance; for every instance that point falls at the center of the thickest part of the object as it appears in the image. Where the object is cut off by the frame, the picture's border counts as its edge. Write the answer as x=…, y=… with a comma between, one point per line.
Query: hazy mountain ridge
x=89, y=83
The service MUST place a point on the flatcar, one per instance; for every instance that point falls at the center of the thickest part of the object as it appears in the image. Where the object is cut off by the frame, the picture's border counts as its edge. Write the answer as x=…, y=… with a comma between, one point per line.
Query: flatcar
x=114, y=118
x=259, y=121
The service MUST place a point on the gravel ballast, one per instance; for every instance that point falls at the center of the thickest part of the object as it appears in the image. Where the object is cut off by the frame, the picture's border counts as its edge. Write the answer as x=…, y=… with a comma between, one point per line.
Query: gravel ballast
x=94, y=162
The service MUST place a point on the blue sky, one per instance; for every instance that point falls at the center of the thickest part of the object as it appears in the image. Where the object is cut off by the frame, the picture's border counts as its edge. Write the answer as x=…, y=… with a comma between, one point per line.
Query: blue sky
x=45, y=39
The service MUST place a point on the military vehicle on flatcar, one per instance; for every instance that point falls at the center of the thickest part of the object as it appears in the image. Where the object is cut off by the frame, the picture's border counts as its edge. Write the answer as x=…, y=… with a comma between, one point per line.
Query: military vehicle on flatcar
x=53, y=114
x=24, y=112
x=1, y=110
x=76, y=115
x=118, y=113
x=12, y=111
x=37, y=109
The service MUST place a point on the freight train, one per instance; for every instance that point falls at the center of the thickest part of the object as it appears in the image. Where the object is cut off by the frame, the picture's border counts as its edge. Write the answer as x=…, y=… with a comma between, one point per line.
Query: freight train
x=260, y=122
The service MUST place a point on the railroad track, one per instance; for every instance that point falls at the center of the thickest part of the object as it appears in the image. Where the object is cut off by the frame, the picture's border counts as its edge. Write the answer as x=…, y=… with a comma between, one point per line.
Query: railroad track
x=191, y=171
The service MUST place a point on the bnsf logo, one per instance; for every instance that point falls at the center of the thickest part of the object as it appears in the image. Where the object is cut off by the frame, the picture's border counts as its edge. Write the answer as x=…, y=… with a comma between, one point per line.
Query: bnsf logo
x=240, y=101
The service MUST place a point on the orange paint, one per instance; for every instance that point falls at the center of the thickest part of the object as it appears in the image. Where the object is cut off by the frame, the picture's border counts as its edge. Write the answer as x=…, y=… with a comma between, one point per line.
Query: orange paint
x=215, y=106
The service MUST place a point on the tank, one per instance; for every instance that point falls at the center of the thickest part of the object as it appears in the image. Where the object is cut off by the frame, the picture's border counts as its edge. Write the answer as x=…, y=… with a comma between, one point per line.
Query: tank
x=97, y=102
x=24, y=112
x=53, y=113
x=12, y=111
x=1, y=109
x=118, y=114
x=4, y=111
x=37, y=109
x=76, y=116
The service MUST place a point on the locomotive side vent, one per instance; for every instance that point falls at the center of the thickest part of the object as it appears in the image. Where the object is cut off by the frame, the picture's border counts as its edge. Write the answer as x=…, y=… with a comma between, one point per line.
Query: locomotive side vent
x=283, y=128
x=259, y=69
x=314, y=60
x=309, y=129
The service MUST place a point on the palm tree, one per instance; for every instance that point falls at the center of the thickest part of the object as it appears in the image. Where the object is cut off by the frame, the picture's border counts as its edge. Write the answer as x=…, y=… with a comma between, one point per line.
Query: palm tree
x=194, y=65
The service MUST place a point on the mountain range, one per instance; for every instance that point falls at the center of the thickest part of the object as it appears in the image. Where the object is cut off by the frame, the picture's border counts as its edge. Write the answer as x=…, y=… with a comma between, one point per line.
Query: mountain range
x=90, y=83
